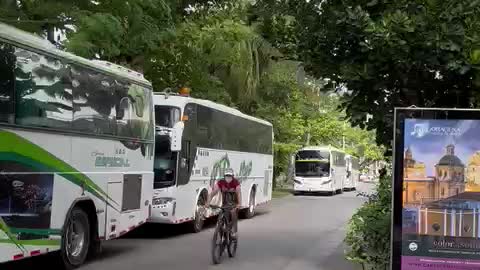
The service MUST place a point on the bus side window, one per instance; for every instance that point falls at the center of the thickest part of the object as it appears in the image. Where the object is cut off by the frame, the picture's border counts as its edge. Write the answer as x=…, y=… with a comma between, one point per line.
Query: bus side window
x=184, y=166
x=185, y=162
x=43, y=91
x=7, y=82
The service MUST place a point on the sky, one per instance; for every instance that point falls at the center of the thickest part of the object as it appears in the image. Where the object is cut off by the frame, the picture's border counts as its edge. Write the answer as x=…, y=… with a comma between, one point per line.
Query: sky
x=429, y=143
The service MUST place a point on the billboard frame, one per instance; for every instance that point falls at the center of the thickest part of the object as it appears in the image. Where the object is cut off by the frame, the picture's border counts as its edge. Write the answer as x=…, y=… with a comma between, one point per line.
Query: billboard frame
x=400, y=115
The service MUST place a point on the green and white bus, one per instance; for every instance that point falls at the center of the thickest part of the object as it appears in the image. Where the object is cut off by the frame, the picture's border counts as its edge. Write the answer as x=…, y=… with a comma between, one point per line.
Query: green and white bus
x=195, y=142
x=76, y=150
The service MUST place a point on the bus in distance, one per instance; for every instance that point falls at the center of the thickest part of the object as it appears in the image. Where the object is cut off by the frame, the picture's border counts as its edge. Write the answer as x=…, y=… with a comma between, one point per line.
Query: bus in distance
x=195, y=142
x=319, y=169
x=76, y=150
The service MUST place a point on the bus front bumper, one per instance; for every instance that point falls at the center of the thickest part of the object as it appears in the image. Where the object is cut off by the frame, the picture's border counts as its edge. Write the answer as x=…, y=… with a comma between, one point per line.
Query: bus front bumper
x=163, y=211
x=313, y=185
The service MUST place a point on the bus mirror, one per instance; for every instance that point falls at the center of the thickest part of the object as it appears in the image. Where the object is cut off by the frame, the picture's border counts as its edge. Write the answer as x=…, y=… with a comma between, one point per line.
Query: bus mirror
x=176, y=137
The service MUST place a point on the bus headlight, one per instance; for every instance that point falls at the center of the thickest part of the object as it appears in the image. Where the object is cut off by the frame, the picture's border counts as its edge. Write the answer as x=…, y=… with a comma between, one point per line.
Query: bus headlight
x=159, y=201
x=327, y=182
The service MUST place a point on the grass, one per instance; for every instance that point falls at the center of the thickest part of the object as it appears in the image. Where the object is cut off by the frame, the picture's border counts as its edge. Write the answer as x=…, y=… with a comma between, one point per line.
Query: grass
x=281, y=192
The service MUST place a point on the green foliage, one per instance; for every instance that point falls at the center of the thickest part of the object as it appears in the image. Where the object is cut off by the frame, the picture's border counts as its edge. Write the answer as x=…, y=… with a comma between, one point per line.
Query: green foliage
x=387, y=53
x=368, y=233
x=282, y=153
x=213, y=47
x=120, y=31
x=218, y=52
x=42, y=16
x=300, y=111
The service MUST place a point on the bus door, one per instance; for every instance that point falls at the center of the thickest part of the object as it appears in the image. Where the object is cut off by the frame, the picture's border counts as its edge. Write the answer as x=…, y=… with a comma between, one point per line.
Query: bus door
x=165, y=164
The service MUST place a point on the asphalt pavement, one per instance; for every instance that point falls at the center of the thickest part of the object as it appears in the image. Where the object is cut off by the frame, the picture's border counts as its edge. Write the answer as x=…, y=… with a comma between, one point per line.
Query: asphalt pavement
x=292, y=233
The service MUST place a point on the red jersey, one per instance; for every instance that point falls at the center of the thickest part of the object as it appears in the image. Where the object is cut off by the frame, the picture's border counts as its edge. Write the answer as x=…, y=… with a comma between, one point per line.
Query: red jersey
x=225, y=186
x=228, y=191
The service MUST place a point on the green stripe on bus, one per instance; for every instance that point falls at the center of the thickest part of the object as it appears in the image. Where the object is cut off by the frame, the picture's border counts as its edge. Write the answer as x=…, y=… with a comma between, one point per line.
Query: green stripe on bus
x=43, y=232
x=36, y=242
x=11, y=238
x=16, y=148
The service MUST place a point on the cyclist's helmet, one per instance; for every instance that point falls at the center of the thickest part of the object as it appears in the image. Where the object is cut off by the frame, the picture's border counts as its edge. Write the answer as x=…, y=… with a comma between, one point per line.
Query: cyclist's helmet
x=229, y=172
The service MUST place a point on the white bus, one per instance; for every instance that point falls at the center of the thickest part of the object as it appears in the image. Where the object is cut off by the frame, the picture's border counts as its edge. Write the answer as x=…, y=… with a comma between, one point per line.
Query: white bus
x=196, y=140
x=353, y=173
x=76, y=150
x=319, y=169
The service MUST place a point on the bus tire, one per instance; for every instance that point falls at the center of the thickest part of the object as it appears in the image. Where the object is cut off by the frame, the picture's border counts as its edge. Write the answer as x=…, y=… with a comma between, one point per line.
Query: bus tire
x=75, y=239
x=250, y=211
x=199, y=219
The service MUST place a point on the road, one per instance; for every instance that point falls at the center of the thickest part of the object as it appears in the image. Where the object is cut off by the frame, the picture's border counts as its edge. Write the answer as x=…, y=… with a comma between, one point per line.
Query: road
x=293, y=233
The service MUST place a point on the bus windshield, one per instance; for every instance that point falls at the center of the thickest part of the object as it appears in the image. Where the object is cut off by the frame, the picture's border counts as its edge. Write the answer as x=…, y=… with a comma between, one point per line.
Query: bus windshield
x=312, y=169
x=166, y=116
x=313, y=154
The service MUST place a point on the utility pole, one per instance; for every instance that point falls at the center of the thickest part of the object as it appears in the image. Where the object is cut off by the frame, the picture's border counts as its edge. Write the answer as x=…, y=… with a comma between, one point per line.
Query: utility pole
x=343, y=136
x=308, y=139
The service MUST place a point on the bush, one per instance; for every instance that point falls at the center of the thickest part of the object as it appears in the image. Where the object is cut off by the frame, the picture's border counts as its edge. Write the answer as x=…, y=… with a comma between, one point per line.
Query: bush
x=282, y=154
x=368, y=233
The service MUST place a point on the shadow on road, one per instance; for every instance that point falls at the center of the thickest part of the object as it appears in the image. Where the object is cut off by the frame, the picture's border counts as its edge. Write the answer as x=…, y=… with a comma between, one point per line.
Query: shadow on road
x=53, y=260
x=50, y=261
x=147, y=231
x=315, y=194
x=166, y=231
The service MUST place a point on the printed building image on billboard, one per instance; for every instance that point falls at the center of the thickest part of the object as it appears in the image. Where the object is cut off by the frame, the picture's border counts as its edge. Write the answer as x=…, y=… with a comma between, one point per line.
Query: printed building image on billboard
x=441, y=194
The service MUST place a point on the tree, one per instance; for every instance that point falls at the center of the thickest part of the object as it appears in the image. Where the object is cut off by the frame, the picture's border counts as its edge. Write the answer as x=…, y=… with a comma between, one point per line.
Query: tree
x=390, y=53
x=302, y=115
x=121, y=32
x=215, y=48
x=42, y=16
x=216, y=54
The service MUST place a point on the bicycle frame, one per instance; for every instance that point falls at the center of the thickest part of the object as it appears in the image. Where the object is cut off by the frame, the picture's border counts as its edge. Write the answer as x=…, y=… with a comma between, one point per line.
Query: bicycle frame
x=223, y=230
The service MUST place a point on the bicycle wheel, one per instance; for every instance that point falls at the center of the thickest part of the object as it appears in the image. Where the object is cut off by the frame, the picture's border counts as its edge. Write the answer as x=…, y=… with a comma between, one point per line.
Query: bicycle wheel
x=232, y=246
x=218, y=244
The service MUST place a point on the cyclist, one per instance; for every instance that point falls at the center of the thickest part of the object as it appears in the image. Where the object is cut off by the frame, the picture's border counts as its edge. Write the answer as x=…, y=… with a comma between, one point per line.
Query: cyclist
x=230, y=188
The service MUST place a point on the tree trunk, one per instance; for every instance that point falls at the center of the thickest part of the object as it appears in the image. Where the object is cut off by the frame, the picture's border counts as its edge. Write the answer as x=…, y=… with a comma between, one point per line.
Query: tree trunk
x=307, y=139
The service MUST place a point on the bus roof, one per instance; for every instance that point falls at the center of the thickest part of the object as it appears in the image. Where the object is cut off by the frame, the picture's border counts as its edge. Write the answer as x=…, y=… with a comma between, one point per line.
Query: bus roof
x=320, y=148
x=176, y=100
x=22, y=38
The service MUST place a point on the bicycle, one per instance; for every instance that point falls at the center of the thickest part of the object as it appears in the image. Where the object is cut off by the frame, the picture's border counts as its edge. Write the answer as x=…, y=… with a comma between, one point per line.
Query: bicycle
x=222, y=237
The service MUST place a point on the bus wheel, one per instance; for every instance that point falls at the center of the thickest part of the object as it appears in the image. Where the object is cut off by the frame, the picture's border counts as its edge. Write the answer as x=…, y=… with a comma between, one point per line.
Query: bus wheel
x=75, y=239
x=197, y=224
x=250, y=211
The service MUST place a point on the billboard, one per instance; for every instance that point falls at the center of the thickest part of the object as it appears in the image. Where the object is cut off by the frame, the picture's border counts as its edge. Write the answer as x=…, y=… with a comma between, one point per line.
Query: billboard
x=436, y=219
